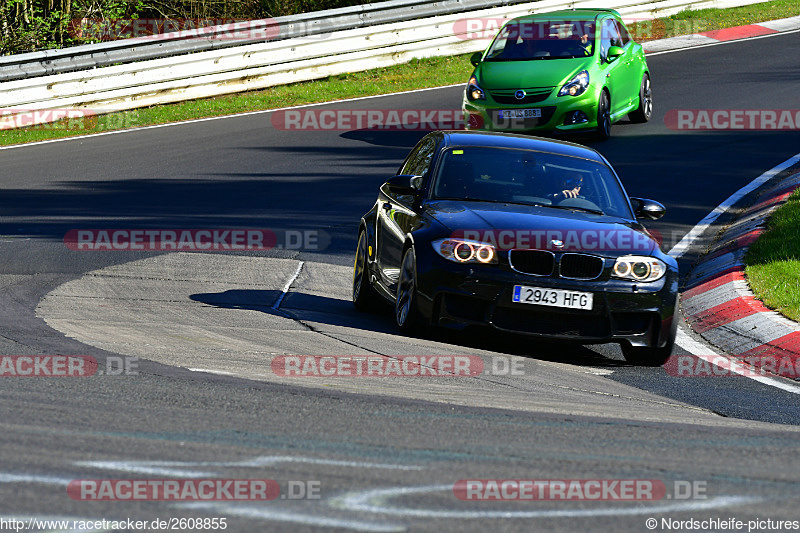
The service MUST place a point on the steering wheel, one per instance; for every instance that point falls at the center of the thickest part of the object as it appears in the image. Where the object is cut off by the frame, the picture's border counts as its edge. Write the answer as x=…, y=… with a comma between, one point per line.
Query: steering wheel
x=579, y=50
x=580, y=202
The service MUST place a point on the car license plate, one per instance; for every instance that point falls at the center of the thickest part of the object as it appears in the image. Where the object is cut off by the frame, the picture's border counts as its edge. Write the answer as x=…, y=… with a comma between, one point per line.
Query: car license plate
x=520, y=113
x=552, y=297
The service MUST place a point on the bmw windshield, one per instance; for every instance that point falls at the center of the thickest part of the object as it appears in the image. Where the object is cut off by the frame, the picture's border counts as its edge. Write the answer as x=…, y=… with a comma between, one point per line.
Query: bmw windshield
x=526, y=41
x=530, y=178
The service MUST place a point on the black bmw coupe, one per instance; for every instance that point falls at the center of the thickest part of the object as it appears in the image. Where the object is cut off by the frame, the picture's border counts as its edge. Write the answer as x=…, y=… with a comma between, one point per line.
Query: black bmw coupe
x=524, y=235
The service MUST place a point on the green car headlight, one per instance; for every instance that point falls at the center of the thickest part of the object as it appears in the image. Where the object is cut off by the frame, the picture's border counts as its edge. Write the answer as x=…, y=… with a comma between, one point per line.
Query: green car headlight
x=639, y=268
x=577, y=85
x=474, y=92
x=466, y=251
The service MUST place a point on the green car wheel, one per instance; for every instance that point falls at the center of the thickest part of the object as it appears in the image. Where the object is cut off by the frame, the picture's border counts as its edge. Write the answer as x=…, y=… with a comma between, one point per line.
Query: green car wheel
x=603, y=132
x=645, y=110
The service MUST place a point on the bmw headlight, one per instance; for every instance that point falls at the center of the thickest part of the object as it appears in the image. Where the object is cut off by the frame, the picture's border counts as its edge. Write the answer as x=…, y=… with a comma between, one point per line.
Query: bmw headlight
x=466, y=251
x=639, y=268
x=474, y=92
x=577, y=85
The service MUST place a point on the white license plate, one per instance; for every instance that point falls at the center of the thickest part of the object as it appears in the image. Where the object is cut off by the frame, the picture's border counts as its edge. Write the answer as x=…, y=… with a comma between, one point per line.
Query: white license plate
x=520, y=113
x=552, y=297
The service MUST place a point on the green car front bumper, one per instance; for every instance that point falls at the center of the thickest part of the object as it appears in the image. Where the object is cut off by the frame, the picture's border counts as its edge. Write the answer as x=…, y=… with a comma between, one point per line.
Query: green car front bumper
x=565, y=114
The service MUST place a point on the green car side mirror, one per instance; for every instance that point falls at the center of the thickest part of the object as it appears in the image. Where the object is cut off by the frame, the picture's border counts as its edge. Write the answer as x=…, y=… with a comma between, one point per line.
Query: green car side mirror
x=475, y=58
x=614, y=52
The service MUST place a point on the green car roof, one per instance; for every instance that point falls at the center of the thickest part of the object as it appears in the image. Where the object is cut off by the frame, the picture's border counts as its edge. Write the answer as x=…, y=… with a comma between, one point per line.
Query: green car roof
x=568, y=14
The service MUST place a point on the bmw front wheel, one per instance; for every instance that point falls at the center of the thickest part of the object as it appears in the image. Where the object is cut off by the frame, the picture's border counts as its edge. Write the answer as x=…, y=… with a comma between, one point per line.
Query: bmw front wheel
x=646, y=356
x=405, y=310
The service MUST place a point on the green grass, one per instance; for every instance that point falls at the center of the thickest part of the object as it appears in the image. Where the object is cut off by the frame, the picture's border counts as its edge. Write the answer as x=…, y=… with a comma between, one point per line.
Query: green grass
x=701, y=20
x=418, y=74
x=773, y=261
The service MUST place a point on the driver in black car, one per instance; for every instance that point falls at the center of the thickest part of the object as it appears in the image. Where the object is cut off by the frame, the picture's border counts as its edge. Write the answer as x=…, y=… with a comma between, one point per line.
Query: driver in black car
x=570, y=184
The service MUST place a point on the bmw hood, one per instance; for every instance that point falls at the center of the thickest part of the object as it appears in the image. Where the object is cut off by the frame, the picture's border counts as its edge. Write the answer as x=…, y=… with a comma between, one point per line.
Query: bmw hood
x=533, y=73
x=521, y=226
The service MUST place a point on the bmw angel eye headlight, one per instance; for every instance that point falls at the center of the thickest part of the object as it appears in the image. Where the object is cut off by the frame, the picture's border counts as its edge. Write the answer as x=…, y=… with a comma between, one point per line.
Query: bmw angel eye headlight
x=474, y=92
x=639, y=268
x=577, y=85
x=466, y=251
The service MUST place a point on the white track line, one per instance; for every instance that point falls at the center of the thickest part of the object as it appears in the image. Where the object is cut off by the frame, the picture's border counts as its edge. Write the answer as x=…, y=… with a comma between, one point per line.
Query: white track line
x=288, y=286
x=731, y=363
x=189, y=468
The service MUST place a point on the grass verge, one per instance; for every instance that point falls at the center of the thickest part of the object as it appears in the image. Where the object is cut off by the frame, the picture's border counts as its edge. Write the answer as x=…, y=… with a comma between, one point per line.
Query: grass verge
x=701, y=20
x=418, y=74
x=773, y=261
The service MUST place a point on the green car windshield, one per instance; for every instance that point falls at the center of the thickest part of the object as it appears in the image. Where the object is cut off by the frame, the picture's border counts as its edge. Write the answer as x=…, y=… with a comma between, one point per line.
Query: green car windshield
x=526, y=41
x=514, y=176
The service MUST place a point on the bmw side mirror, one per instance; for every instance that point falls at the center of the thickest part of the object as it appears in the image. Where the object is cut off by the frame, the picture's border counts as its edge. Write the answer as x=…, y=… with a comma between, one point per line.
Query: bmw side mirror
x=404, y=184
x=475, y=58
x=649, y=209
x=614, y=52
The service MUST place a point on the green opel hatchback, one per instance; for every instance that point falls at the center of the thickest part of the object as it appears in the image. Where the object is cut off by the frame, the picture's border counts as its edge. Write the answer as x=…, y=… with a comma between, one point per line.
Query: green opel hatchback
x=559, y=72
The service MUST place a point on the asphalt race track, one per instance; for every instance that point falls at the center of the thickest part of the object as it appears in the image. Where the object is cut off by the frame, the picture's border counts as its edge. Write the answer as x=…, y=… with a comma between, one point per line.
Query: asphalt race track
x=201, y=401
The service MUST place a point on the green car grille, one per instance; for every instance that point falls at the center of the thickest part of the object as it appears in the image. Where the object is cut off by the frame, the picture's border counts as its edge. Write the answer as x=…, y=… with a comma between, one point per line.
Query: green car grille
x=532, y=95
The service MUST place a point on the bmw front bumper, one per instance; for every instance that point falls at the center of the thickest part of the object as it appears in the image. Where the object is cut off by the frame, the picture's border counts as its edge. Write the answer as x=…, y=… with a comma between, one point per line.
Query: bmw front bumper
x=455, y=295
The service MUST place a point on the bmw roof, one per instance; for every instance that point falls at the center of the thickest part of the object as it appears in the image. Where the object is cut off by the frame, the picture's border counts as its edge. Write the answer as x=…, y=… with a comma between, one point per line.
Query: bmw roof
x=523, y=142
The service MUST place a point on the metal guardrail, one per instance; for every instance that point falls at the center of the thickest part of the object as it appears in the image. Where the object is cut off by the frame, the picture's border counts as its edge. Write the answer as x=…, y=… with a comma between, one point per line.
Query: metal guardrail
x=84, y=57
x=256, y=66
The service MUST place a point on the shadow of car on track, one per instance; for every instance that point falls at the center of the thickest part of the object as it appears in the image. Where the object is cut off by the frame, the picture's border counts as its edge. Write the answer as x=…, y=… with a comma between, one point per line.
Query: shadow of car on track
x=299, y=306
x=399, y=139
x=313, y=308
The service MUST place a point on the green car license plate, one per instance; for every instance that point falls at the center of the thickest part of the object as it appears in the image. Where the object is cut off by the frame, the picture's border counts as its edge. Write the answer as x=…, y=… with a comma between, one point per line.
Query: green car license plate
x=519, y=113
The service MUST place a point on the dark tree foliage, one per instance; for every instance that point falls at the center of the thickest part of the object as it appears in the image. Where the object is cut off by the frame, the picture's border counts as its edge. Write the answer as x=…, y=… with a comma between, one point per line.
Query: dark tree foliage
x=29, y=25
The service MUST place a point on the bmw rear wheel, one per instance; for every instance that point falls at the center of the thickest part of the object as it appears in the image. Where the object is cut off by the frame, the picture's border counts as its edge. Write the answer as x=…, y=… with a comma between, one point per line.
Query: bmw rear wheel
x=645, y=110
x=364, y=297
